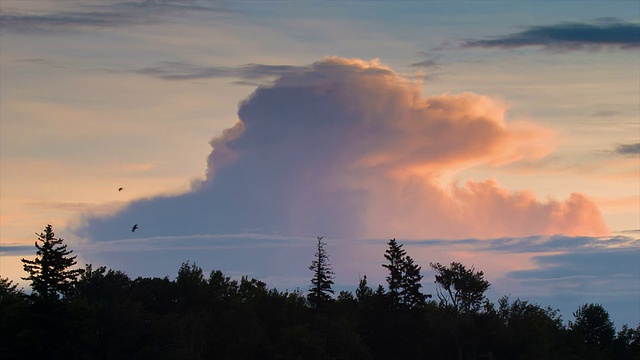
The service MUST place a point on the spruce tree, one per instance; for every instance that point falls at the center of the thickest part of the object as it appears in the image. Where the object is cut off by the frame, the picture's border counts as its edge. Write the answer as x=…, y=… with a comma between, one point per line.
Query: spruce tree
x=394, y=255
x=404, y=277
x=50, y=272
x=363, y=292
x=320, y=291
x=411, y=277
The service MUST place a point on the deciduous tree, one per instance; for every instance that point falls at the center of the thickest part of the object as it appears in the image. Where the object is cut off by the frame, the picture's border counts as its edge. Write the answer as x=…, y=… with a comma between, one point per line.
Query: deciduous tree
x=530, y=331
x=461, y=289
x=593, y=325
x=461, y=294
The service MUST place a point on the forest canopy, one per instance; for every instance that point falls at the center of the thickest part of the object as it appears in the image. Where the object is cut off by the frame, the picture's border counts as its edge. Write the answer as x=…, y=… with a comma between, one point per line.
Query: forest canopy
x=101, y=313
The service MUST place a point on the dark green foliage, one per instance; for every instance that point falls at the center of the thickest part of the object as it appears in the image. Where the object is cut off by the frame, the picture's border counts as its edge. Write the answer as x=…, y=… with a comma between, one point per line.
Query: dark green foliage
x=461, y=290
x=51, y=316
x=410, y=294
x=593, y=325
x=627, y=343
x=394, y=255
x=111, y=316
x=14, y=307
x=320, y=291
x=529, y=331
x=404, y=277
x=9, y=291
x=461, y=294
x=594, y=330
x=364, y=293
x=50, y=272
x=117, y=324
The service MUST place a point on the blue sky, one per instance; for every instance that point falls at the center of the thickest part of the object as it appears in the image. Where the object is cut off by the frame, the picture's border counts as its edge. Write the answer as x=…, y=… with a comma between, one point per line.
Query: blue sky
x=240, y=131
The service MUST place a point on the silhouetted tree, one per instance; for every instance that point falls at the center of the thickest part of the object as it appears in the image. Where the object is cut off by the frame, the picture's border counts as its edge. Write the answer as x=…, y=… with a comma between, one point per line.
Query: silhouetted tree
x=50, y=320
x=50, y=272
x=191, y=321
x=627, y=343
x=320, y=291
x=115, y=321
x=461, y=294
x=594, y=325
x=9, y=292
x=404, y=277
x=110, y=316
x=192, y=286
x=394, y=255
x=530, y=331
x=594, y=328
x=14, y=308
x=461, y=289
x=363, y=292
x=410, y=294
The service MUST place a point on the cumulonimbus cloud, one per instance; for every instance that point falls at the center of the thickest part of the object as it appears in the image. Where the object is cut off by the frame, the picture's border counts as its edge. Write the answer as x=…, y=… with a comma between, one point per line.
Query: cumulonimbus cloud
x=349, y=148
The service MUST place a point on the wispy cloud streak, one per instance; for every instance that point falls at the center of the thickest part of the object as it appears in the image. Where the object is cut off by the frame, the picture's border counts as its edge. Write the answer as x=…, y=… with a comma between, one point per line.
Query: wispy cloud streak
x=628, y=149
x=186, y=71
x=537, y=244
x=102, y=15
x=570, y=36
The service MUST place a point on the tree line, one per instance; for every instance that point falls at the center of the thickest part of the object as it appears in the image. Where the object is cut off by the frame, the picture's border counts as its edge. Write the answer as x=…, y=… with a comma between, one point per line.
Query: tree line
x=102, y=313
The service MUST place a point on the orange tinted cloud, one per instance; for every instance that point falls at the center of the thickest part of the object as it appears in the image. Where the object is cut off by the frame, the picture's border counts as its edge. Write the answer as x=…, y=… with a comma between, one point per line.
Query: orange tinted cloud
x=349, y=148
x=418, y=208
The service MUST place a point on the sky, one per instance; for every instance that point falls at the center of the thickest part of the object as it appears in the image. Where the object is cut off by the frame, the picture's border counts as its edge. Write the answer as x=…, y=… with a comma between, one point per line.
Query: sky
x=503, y=135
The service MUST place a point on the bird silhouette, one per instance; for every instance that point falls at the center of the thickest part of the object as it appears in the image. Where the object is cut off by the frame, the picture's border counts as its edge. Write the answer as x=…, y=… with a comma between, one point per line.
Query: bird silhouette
x=120, y=189
x=134, y=228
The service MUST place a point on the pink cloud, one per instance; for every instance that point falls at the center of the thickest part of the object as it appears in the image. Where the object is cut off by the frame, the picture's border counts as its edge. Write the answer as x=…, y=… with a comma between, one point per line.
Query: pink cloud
x=418, y=208
x=349, y=148
x=393, y=144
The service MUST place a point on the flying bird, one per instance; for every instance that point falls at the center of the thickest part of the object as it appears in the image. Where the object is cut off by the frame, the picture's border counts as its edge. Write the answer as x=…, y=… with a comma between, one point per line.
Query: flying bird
x=134, y=228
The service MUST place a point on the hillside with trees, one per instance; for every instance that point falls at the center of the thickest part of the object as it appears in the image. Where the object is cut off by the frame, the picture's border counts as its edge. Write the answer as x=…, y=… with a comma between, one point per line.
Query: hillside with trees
x=101, y=313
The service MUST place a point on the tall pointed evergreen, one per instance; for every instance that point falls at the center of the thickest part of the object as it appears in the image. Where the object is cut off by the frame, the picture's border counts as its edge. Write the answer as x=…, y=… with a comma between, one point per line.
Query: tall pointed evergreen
x=50, y=272
x=394, y=255
x=363, y=292
x=320, y=291
x=411, y=277
x=404, y=277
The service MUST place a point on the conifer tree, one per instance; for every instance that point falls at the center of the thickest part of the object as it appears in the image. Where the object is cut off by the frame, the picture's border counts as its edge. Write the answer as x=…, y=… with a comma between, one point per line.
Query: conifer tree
x=404, y=277
x=50, y=272
x=320, y=291
x=363, y=292
x=394, y=255
x=411, y=277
